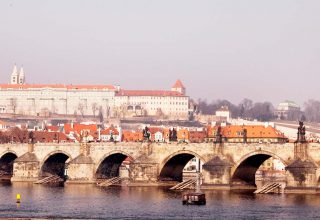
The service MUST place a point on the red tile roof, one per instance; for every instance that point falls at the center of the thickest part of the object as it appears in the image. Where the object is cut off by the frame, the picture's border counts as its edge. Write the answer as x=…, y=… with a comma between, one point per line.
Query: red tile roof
x=56, y=86
x=148, y=93
x=44, y=136
x=108, y=130
x=132, y=135
x=154, y=130
x=253, y=131
x=77, y=128
x=178, y=84
x=197, y=136
x=52, y=128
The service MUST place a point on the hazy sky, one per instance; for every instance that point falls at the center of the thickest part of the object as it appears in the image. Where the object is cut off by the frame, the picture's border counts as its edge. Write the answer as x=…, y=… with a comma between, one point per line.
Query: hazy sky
x=263, y=50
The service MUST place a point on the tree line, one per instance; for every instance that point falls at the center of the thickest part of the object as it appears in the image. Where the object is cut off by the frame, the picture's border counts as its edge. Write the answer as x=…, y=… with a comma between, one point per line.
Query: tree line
x=262, y=111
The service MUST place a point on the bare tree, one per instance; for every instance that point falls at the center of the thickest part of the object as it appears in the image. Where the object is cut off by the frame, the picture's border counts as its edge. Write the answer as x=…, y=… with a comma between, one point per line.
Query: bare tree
x=13, y=104
x=262, y=111
x=18, y=135
x=160, y=113
x=94, y=108
x=4, y=138
x=81, y=109
x=100, y=115
x=312, y=110
x=245, y=105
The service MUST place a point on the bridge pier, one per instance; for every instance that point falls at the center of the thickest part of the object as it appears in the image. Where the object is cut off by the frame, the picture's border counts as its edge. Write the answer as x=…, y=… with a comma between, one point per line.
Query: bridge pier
x=302, y=171
x=26, y=167
x=144, y=171
x=216, y=174
x=81, y=168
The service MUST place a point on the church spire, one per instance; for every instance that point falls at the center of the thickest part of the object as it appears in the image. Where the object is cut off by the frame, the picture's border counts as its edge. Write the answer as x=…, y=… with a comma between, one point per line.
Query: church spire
x=21, y=76
x=14, y=75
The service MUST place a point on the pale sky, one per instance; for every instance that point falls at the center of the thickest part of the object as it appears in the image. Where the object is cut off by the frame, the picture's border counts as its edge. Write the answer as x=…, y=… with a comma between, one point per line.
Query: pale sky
x=262, y=50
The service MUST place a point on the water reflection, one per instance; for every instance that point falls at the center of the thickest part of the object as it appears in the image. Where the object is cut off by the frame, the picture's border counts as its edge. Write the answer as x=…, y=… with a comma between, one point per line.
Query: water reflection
x=89, y=201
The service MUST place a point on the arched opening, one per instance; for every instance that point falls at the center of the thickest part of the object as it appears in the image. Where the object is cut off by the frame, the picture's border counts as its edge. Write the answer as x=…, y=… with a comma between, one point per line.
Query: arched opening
x=130, y=108
x=110, y=166
x=180, y=167
x=55, y=164
x=260, y=168
x=6, y=164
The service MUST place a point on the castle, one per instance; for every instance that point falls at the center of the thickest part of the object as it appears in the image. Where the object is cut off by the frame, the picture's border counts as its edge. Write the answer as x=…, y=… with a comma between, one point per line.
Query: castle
x=20, y=98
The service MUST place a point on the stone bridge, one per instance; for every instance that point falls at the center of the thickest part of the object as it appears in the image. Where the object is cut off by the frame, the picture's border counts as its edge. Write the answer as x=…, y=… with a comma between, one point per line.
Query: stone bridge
x=226, y=165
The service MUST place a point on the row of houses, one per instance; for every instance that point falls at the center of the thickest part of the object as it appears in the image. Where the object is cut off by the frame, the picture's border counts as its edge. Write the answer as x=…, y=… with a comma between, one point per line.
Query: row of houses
x=91, y=132
x=228, y=133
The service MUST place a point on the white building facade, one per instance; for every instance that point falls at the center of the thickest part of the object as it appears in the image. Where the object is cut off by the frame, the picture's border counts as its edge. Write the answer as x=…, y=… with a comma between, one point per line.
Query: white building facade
x=46, y=100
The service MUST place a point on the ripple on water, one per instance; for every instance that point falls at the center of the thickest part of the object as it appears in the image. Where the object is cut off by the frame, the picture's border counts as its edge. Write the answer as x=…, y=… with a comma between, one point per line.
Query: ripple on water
x=91, y=202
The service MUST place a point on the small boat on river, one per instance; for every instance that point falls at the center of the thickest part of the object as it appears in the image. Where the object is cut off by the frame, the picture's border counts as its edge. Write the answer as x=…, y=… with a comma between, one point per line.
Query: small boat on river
x=197, y=197
x=194, y=198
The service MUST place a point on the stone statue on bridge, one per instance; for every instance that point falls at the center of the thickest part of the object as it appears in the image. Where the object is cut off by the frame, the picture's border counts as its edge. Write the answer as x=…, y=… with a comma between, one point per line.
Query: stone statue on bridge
x=146, y=133
x=219, y=135
x=301, y=135
x=31, y=137
x=173, y=135
x=111, y=136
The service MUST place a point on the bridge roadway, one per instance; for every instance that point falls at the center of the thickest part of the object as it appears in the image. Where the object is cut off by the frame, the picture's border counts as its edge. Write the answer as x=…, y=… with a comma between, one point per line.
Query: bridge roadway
x=225, y=165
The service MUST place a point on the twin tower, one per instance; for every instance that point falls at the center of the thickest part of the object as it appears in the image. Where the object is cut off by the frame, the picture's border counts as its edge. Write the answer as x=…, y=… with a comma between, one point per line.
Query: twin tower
x=17, y=77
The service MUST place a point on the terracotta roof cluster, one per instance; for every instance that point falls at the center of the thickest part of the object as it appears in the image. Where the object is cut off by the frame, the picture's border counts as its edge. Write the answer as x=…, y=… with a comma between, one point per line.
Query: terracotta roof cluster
x=211, y=131
x=132, y=135
x=253, y=131
x=44, y=136
x=56, y=86
x=78, y=128
x=197, y=136
x=51, y=128
x=148, y=93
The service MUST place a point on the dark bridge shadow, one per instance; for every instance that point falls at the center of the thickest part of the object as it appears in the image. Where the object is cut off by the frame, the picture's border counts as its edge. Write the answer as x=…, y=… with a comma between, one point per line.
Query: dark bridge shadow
x=109, y=167
x=54, y=165
x=6, y=163
x=172, y=170
x=246, y=171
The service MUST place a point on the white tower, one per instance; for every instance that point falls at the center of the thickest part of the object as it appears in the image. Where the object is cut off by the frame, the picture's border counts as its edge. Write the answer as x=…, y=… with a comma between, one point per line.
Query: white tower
x=14, y=75
x=21, y=77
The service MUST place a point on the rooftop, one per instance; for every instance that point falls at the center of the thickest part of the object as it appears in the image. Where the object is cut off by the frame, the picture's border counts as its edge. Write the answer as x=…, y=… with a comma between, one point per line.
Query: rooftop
x=178, y=84
x=288, y=103
x=148, y=93
x=56, y=86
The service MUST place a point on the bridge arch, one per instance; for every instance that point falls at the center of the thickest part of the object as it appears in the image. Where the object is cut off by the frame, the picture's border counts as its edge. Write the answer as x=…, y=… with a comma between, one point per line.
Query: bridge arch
x=172, y=167
x=109, y=165
x=6, y=162
x=54, y=163
x=245, y=169
x=8, y=151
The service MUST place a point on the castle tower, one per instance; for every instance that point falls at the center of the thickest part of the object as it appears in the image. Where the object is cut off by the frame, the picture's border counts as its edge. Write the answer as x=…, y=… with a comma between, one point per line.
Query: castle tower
x=14, y=75
x=22, y=79
x=179, y=87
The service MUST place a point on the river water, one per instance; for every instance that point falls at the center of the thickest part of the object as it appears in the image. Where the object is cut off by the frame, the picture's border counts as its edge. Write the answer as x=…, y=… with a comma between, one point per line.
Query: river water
x=91, y=202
